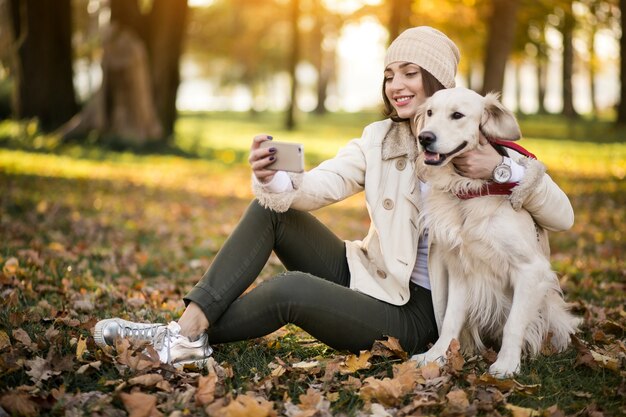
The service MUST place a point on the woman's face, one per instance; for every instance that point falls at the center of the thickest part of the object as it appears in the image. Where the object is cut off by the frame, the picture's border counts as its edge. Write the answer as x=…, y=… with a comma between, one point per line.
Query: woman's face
x=404, y=89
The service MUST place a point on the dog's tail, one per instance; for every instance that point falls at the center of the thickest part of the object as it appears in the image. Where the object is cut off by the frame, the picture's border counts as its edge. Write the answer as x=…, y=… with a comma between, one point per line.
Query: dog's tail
x=556, y=323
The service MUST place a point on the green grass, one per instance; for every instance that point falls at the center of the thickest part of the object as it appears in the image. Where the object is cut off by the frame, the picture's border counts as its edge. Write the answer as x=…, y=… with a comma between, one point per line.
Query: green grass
x=131, y=233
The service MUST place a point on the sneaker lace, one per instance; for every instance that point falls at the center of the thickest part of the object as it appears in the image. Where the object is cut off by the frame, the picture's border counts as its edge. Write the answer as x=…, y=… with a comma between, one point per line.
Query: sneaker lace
x=145, y=333
x=167, y=338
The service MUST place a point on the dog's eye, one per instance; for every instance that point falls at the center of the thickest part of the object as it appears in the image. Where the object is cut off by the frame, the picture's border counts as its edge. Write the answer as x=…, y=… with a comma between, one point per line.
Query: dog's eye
x=429, y=112
x=456, y=115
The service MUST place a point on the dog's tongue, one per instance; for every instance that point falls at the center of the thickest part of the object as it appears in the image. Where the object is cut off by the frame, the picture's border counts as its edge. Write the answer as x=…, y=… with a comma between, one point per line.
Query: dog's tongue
x=431, y=156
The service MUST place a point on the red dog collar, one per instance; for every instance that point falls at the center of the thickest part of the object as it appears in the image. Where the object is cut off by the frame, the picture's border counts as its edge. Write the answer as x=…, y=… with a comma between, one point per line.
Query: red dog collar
x=492, y=188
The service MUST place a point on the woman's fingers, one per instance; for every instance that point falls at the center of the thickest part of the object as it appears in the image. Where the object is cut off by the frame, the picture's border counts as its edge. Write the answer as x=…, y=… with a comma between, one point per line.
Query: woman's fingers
x=256, y=152
x=260, y=158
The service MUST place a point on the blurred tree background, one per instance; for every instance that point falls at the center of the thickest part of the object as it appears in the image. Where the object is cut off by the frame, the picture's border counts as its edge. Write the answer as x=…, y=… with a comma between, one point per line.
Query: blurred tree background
x=113, y=68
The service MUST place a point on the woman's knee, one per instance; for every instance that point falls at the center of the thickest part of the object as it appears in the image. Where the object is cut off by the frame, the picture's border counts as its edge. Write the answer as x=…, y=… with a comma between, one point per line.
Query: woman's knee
x=288, y=287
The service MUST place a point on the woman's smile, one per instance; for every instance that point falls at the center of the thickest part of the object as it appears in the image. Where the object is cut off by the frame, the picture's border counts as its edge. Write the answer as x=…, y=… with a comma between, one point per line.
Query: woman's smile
x=402, y=100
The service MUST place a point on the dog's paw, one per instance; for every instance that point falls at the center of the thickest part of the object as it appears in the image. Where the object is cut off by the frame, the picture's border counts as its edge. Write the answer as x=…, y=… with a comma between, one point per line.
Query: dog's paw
x=504, y=369
x=424, y=358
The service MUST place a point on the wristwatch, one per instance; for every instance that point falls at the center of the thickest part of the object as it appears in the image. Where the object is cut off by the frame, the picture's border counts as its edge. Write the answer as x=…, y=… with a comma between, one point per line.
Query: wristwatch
x=502, y=173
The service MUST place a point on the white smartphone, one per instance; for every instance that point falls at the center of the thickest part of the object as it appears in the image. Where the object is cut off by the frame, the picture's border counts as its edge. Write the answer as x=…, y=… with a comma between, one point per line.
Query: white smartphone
x=289, y=156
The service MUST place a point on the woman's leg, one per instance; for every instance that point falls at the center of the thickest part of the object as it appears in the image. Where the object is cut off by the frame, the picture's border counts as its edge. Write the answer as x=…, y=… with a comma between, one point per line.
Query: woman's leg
x=300, y=241
x=338, y=316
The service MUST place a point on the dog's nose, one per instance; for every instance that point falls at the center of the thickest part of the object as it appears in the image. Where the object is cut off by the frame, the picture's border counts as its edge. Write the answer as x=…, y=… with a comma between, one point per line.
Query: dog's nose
x=427, y=138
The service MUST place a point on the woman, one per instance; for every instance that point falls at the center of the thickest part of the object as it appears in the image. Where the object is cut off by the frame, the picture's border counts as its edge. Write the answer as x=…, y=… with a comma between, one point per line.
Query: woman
x=346, y=294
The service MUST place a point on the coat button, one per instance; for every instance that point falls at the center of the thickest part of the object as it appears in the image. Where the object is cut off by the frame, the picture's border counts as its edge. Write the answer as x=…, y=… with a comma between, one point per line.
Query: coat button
x=401, y=164
x=388, y=203
x=381, y=274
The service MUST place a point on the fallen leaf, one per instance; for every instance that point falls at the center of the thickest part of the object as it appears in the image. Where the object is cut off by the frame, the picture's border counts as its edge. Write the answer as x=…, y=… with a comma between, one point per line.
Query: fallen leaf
x=389, y=348
x=506, y=385
x=313, y=400
x=391, y=391
x=5, y=340
x=39, y=370
x=138, y=404
x=355, y=363
x=311, y=404
x=605, y=361
x=85, y=367
x=613, y=327
x=147, y=380
x=136, y=360
x=386, y=391
x=51, y=334
x=522, y=411
x=205, y=394
x=377, y=410
x=11, y=266
x=56, y=246
x=457, y=401
x=454, y=357
x=332, y=396
x=21, y=336
x=305, y=365
x=430, y=371
x=278, y=371
x=352, y=383
x=81, y=348
x=406, y=373
x=164, y=386
x=246, y=406
x=19, y=404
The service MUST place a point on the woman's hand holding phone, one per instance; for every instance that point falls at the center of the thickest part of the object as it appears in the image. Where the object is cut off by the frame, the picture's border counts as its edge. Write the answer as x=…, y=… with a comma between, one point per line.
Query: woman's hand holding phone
x=268, y=157
x=260, y=158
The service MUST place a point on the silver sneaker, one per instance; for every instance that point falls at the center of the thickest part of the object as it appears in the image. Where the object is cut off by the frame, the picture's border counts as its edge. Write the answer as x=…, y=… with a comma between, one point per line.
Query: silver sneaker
x=172, y=347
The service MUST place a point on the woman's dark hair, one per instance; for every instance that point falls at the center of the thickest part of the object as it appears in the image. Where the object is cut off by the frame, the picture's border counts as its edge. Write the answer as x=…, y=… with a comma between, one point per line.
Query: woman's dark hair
x=431, y=86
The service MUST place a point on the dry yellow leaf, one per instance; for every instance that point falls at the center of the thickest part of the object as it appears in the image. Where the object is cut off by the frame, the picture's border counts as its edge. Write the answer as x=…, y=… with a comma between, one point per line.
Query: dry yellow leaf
x=205, y=394
x=146, y=380
x=457, y=400
x=522, y=411
x=11, y=266
x=246, y=406
x=355, y=363
x=430, y=371
x=139, y=404
x=81, y=348
x=5, y=340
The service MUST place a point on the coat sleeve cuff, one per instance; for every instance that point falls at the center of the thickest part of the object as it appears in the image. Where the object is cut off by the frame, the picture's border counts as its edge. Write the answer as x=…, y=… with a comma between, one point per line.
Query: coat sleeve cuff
x=532, y=177
x=279, y=202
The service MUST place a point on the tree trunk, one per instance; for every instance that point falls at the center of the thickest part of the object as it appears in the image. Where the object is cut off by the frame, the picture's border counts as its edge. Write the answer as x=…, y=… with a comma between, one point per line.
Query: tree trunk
x=123, y=108
x=44, y=77
x=322, y=59
x=592, y=72
x=621, y=109
x=518, y=87
x=500, y=38
x=568, y=63
x=400, y=17
x=136, y=103
x=166, y=33
x=294, y=56
x=542, y=70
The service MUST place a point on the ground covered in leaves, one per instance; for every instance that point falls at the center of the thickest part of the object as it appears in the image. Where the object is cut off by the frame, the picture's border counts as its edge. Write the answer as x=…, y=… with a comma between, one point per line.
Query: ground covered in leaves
x=85, y=237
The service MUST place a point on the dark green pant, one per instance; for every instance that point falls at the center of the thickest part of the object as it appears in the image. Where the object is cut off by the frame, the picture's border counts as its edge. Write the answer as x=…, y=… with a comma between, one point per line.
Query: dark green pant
x=313, y=295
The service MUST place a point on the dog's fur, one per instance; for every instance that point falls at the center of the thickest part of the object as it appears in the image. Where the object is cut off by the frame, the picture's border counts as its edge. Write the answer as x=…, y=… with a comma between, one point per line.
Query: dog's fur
x=501, y=287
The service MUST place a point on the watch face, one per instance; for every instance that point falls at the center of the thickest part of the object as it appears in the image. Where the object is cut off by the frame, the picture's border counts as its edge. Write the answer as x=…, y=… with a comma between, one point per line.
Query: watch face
x=502, y=173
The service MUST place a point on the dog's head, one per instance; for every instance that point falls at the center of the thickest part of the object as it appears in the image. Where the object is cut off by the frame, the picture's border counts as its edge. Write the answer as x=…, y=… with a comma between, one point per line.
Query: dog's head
x=450, y=121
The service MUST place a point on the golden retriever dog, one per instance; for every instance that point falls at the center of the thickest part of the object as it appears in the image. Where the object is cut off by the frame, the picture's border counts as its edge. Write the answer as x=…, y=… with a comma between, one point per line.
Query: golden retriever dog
x=501, y=287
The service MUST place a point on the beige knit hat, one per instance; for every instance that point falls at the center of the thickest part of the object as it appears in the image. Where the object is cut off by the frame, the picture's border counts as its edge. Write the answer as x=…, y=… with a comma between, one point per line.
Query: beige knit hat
x=428, y=48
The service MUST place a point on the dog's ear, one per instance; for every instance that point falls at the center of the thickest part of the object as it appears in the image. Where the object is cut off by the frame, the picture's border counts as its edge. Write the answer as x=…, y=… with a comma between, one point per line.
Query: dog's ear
x=419, y=122
x=497, y=121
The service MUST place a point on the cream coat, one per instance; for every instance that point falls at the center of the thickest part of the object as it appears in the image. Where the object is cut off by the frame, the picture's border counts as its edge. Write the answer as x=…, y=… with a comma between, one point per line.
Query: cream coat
x=382, y=162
